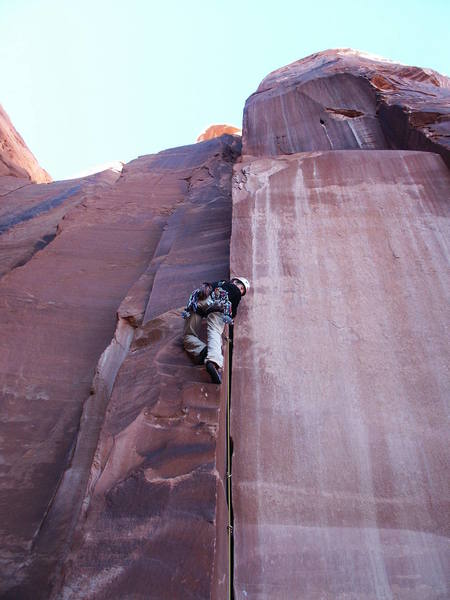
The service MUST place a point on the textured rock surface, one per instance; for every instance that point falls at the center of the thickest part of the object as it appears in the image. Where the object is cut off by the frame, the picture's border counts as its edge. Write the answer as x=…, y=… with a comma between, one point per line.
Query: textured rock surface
x=342, y=99
x=30, y=213
x=340, y=376
x=58, y=314
x=15, y=158
x=150, y=529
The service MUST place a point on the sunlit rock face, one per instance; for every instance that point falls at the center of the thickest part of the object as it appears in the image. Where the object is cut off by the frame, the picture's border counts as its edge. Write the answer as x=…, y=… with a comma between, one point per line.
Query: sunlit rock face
x=340, y=367
x=340, y=376
x=16, y=160
x=214, y=131
x=346, y=100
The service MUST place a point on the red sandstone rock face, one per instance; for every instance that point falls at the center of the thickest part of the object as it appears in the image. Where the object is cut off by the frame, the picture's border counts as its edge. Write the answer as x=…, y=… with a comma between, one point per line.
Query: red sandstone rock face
x=156, y=480
x=214, y=131
x=111, y=439
x=133, y=248
x=31, y=213
x=340, y=376
x=340, y=367
x=15, y=158
x=342, y=99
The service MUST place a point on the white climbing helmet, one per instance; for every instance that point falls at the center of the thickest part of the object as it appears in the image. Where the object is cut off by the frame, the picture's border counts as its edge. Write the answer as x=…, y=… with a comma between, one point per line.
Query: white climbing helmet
x=245, y=282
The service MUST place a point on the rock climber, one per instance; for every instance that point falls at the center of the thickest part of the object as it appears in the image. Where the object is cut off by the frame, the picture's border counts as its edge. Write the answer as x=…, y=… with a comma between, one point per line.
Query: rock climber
x=216, y=302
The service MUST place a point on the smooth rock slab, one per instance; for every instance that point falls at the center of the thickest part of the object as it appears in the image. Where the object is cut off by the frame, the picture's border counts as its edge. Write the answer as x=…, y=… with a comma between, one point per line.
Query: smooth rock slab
x=340, y=377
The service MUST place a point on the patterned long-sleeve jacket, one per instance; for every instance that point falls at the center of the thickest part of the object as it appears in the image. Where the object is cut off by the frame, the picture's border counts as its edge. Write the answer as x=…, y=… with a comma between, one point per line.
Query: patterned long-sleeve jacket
x=218, y=300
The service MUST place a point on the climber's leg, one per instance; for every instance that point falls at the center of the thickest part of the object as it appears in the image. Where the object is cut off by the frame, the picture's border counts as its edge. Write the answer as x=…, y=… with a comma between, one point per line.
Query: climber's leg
x=191, y=341
x=215, y=326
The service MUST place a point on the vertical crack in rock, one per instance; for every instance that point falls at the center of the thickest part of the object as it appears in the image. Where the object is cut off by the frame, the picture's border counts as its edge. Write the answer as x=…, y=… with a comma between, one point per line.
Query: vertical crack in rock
x=229, y=468
x=169, y=436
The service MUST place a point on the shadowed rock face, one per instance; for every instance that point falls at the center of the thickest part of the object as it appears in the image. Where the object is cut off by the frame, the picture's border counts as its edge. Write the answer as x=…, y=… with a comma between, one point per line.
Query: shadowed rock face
x=342, y=99
x=16, y=160
x=133, y=249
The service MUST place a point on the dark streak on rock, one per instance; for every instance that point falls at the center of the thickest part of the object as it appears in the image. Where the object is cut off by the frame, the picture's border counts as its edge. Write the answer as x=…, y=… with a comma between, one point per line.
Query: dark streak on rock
x=41, y=208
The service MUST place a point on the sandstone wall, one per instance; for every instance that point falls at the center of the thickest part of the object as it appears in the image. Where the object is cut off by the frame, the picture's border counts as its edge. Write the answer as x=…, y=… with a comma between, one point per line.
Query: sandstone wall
x=340, y=369
x=112, y=440
x=102, y=492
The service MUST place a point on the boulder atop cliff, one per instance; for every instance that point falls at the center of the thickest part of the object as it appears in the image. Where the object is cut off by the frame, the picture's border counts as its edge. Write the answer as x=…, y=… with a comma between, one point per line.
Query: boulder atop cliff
x=343, y=60
x=15, y=157
x=347, y=100
x=214, y=131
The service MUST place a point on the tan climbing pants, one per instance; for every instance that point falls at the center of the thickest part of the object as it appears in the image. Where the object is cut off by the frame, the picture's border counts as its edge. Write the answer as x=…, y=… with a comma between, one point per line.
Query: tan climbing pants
x=194, y=345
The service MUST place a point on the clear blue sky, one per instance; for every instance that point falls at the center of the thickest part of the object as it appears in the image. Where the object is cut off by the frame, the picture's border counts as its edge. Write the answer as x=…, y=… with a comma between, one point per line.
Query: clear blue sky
x=86, y=82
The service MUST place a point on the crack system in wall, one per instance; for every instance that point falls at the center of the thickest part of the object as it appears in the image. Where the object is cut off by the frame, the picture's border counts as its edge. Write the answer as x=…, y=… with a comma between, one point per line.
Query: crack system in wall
x=67, y=509
x=229, y=469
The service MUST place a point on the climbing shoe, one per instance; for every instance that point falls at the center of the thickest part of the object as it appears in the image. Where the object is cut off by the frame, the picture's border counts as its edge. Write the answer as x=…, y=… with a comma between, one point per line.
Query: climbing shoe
x=213, y=372
x=203, y=354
